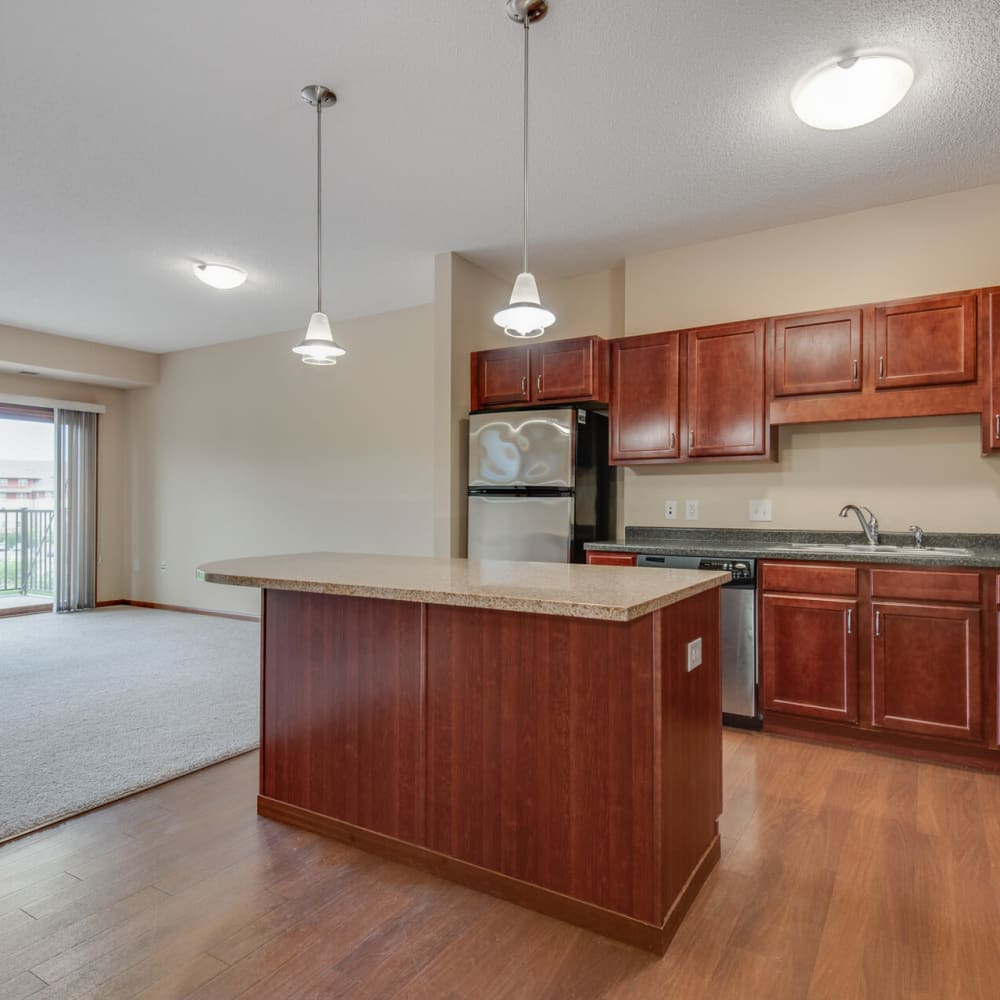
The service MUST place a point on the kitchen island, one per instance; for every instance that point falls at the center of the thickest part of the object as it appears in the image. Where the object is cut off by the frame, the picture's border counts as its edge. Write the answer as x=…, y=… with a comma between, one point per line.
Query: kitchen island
x=547, y=733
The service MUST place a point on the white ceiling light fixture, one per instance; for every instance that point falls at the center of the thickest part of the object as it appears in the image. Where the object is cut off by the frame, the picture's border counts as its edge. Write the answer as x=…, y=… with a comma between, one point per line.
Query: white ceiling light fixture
x=318, y=346
x=525, y=318
x=222, y=276
x=851, y=91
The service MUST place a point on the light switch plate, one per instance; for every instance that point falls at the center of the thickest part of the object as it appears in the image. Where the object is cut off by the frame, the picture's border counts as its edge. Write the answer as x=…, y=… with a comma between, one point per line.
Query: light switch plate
x=694, y=654
x=760, y=510
x=670, y=510
x=690, y=510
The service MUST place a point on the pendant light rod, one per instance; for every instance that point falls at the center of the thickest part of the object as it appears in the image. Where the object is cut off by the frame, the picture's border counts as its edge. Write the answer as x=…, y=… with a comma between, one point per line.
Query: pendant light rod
x=319, y=207
x=524, y=147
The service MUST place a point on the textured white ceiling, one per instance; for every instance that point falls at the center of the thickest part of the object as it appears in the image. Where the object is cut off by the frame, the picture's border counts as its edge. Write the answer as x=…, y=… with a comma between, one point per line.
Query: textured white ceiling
x=138, y=137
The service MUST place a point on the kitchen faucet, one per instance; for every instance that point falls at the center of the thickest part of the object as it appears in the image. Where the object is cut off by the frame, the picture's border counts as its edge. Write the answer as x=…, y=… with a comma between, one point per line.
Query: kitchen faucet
x=869, y=525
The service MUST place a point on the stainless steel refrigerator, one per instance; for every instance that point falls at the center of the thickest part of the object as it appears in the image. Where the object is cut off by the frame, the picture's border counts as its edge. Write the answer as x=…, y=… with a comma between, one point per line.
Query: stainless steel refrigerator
x=539, y=484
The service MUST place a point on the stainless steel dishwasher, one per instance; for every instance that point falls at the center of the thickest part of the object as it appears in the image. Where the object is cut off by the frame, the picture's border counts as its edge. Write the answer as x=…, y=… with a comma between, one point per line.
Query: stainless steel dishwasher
x=740, y=703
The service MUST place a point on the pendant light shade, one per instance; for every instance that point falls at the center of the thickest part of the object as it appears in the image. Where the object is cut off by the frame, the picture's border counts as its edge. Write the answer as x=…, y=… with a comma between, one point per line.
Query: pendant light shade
x=525, y=318
x=318, y=346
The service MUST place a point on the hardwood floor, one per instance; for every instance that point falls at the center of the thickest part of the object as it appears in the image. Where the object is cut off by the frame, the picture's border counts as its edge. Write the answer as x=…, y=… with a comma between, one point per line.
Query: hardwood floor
x=843, y=875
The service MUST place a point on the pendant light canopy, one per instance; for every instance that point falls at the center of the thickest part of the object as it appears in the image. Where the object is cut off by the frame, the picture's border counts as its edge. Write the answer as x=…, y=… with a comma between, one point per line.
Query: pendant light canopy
x=318, y=346
x=525, y=318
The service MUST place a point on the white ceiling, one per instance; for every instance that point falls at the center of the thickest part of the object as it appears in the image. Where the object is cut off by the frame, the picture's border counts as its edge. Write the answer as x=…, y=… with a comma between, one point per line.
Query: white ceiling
x=136, y=138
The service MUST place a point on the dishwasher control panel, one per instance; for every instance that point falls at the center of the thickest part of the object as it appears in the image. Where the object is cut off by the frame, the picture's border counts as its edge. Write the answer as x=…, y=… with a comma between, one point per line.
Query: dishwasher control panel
x=741, y=570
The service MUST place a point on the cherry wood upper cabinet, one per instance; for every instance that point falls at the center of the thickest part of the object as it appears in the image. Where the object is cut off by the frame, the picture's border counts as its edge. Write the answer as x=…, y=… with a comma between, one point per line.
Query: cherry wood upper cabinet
x=926, y=671
x=991, y=395
x=809, y=656
x=818, y=352
x=927, y=341
x=726, y=404
x=558, y=371
x=645, y=398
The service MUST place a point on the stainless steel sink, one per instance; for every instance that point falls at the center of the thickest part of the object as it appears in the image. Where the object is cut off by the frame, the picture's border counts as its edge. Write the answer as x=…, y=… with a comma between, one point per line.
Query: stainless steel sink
x=888, y=550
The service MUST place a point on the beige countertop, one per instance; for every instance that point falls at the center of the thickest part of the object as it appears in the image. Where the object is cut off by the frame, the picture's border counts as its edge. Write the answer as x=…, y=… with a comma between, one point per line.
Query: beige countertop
x=611, y=593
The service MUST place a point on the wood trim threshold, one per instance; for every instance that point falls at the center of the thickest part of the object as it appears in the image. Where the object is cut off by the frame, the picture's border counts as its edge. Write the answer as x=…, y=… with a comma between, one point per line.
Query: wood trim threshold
x=608, y=923
x=888, y=743
x=28, y=609
x=181, y=608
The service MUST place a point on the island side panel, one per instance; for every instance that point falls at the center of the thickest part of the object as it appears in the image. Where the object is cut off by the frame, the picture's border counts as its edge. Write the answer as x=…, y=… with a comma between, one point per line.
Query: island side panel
x=540, y=751
x=692, y=748
x=342, y=698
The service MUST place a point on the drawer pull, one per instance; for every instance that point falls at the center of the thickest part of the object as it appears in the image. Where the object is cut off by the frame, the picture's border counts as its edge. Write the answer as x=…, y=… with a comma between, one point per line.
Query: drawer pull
x=538, y=382
x=854, y=371
x=524, y=385
x=881, y=367
x=878, y=623
x=850, y=621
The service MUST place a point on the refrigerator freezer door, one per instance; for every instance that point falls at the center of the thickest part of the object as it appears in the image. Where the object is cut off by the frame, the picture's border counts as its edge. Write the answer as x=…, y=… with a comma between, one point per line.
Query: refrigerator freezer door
x=522, y=448
x=535, y=529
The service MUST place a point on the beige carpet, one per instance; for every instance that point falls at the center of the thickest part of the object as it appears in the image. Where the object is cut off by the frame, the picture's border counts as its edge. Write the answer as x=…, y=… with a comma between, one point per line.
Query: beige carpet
x=98, y=704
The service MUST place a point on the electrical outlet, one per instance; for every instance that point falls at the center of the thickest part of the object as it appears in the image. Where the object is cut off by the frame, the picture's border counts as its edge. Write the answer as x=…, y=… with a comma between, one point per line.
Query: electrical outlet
x=694, y=654
x=670, y=510
x=163, y=566
x=760, y=510
x=135, y=565
x=690, y=510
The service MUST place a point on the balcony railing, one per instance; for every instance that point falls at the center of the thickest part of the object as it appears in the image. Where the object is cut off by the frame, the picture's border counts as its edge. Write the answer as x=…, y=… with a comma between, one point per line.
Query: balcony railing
x=27, y=552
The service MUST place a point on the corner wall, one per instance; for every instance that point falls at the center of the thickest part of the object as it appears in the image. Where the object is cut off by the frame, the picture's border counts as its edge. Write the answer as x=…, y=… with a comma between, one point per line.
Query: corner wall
x=242, y=450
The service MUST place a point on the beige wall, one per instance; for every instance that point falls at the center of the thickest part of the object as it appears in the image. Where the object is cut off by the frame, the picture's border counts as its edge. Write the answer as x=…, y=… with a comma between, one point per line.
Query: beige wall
x=243, y=450
x=927, y=471
x=56, y=357
x=112, y=579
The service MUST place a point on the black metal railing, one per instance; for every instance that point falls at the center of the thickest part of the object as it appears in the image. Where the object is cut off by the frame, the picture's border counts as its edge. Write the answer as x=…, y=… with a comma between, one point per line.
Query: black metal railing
x=27, y=552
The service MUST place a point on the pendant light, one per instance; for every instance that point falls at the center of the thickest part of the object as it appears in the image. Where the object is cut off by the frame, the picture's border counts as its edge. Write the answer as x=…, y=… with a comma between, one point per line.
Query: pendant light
x=525, y=318
x=318, y=346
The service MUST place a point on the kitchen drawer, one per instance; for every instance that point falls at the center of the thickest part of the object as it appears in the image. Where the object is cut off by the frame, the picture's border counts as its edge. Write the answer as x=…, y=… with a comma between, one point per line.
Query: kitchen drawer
x=810, y=578
x=611, y=558
x=926, y=585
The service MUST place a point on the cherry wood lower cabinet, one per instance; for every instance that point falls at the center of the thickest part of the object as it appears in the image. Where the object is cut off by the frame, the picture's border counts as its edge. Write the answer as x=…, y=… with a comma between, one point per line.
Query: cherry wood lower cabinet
x=810, y=655
x=570, y=765
x=886, y=657
x=611, y=558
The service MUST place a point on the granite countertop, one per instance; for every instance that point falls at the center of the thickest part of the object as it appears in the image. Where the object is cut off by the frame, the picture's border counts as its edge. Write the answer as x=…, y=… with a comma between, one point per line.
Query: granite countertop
x=752, y=543
x=575, y=591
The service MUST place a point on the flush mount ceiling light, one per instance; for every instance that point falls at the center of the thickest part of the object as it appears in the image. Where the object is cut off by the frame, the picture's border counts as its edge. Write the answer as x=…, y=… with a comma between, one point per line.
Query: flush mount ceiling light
x=852, y=91
x=220, y=275
x=525, y=318
x=318, y=346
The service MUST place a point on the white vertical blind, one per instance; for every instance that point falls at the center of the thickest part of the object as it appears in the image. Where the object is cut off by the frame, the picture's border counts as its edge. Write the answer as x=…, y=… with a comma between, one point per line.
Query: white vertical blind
x=76, y=509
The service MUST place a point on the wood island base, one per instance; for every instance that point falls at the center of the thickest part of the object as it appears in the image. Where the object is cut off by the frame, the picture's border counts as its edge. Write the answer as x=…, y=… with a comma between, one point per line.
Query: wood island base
x=571, y=765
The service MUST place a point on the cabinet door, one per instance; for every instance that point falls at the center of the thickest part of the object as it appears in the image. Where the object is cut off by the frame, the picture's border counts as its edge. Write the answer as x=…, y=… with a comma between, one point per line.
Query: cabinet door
x=817, y=353
x=502, y=376
x=611, y=558
x=991, y=412
x=926, y=669
x=725, y=379
x=565, y=370
x=645, y=398
x=809, y=656
x=929, y=341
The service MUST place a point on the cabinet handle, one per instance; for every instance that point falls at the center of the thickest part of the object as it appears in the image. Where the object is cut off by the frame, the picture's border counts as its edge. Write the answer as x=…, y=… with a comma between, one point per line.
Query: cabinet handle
x=998, y=426
x=673, y=436
x=878, y=623
x=538, y=382
x=690, y=439
x=854, y=371
x=524, y=385
x=850, y=621
x=881, y=367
